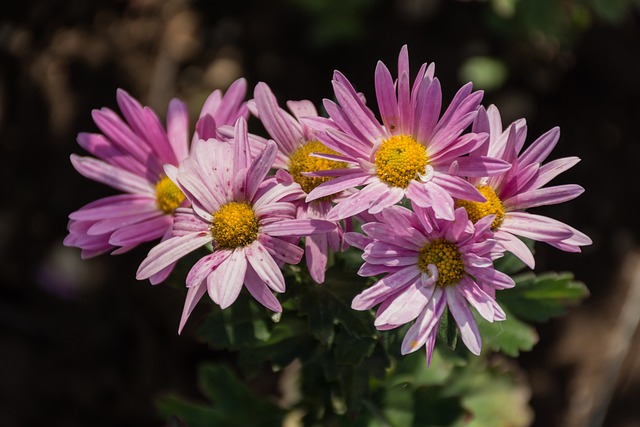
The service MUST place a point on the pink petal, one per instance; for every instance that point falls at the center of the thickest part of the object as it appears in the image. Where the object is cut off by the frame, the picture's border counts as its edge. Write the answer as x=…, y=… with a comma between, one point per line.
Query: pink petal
x=170, y=251
x=356, y=203
x=225, y=282
x=264, y=266
x=193, y=297
x=260, y=291
x=281, y=249
x=298, y=227
x=205, y=266
x=459, y=308
x=419, y=332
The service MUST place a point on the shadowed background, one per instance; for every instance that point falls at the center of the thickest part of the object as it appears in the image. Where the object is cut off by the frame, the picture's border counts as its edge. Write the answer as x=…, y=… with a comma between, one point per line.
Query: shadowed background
x=83, y=343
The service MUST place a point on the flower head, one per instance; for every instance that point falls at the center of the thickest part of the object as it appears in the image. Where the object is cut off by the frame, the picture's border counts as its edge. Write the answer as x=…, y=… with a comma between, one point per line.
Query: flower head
x=300, y=152
x=429, y=264
x=509, y=194
x=240, y=213
x=415, y=151
x=130, y=155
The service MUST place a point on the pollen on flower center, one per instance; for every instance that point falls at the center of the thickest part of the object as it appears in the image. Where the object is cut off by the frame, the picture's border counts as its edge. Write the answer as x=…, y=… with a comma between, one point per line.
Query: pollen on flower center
x=234, y=224
x=300, y=161
x=168, y=195
x=399, y=159
x=478, y=210
x=445, y=256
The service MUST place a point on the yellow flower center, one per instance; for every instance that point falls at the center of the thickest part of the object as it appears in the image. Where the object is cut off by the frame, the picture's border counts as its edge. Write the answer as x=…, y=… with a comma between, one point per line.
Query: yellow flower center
x=234, y=224
x=445, y=256
x=399, y=159
x=300, y=161
x=168, y=195
x=478, y=210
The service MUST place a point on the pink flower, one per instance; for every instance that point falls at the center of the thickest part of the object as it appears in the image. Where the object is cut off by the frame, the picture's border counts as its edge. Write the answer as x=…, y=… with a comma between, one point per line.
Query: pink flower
x=414, y=152
x=522, y=187
x=296, y=142
x=241, y=215
x=130, y=157
x=429, y=264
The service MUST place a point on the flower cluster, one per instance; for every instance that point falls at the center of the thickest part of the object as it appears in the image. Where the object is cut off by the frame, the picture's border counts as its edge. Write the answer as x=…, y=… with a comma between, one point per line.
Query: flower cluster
x=438, y=189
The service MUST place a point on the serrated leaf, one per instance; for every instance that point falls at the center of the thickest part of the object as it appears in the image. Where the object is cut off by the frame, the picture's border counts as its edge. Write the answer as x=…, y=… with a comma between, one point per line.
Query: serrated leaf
x=510, y=336
x=538, y=298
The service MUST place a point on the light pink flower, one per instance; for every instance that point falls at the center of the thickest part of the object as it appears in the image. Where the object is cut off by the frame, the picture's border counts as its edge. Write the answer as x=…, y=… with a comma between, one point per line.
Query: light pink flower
x=241, y=215
x=130, y=157
x=429, y=264
x=522, y=187
x=414, y=152
x=296, y=142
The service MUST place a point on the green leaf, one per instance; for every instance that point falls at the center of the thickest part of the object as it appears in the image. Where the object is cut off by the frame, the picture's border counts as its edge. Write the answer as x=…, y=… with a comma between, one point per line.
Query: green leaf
x=436, y=408
x=538, y=298
x=330, y=303
x=242, y=325
x=497, y=401
x=510, y=336
x=233, y=404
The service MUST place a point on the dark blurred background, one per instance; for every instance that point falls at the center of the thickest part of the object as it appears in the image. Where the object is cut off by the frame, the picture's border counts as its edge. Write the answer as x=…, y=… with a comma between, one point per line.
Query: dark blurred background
x=83, y=343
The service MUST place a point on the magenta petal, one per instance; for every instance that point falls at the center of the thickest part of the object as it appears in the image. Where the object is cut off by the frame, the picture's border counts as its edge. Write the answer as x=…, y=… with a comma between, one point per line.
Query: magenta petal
x=110, y=225
x=543, y=197
x=536, y=227
x=259, y=169
x=112, y=176
x=287, y=133
x=116, y=206
x=539, y=149
x=386, y=95
x=170, y=251
x=358, y=202
x=459, y=308
x=384, y=287
x=146, y=231
x=316, y=254
x=265, y=266
x=178, y=128
x=428, y=104
x=339, y=184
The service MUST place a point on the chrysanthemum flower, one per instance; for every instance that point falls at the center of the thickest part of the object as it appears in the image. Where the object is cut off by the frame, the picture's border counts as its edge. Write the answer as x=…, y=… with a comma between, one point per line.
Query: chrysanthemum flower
x=429, y=264
x=414, y=152
x=240, y=213
x=523, y=187
x=130, y=157
x=296, y=142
